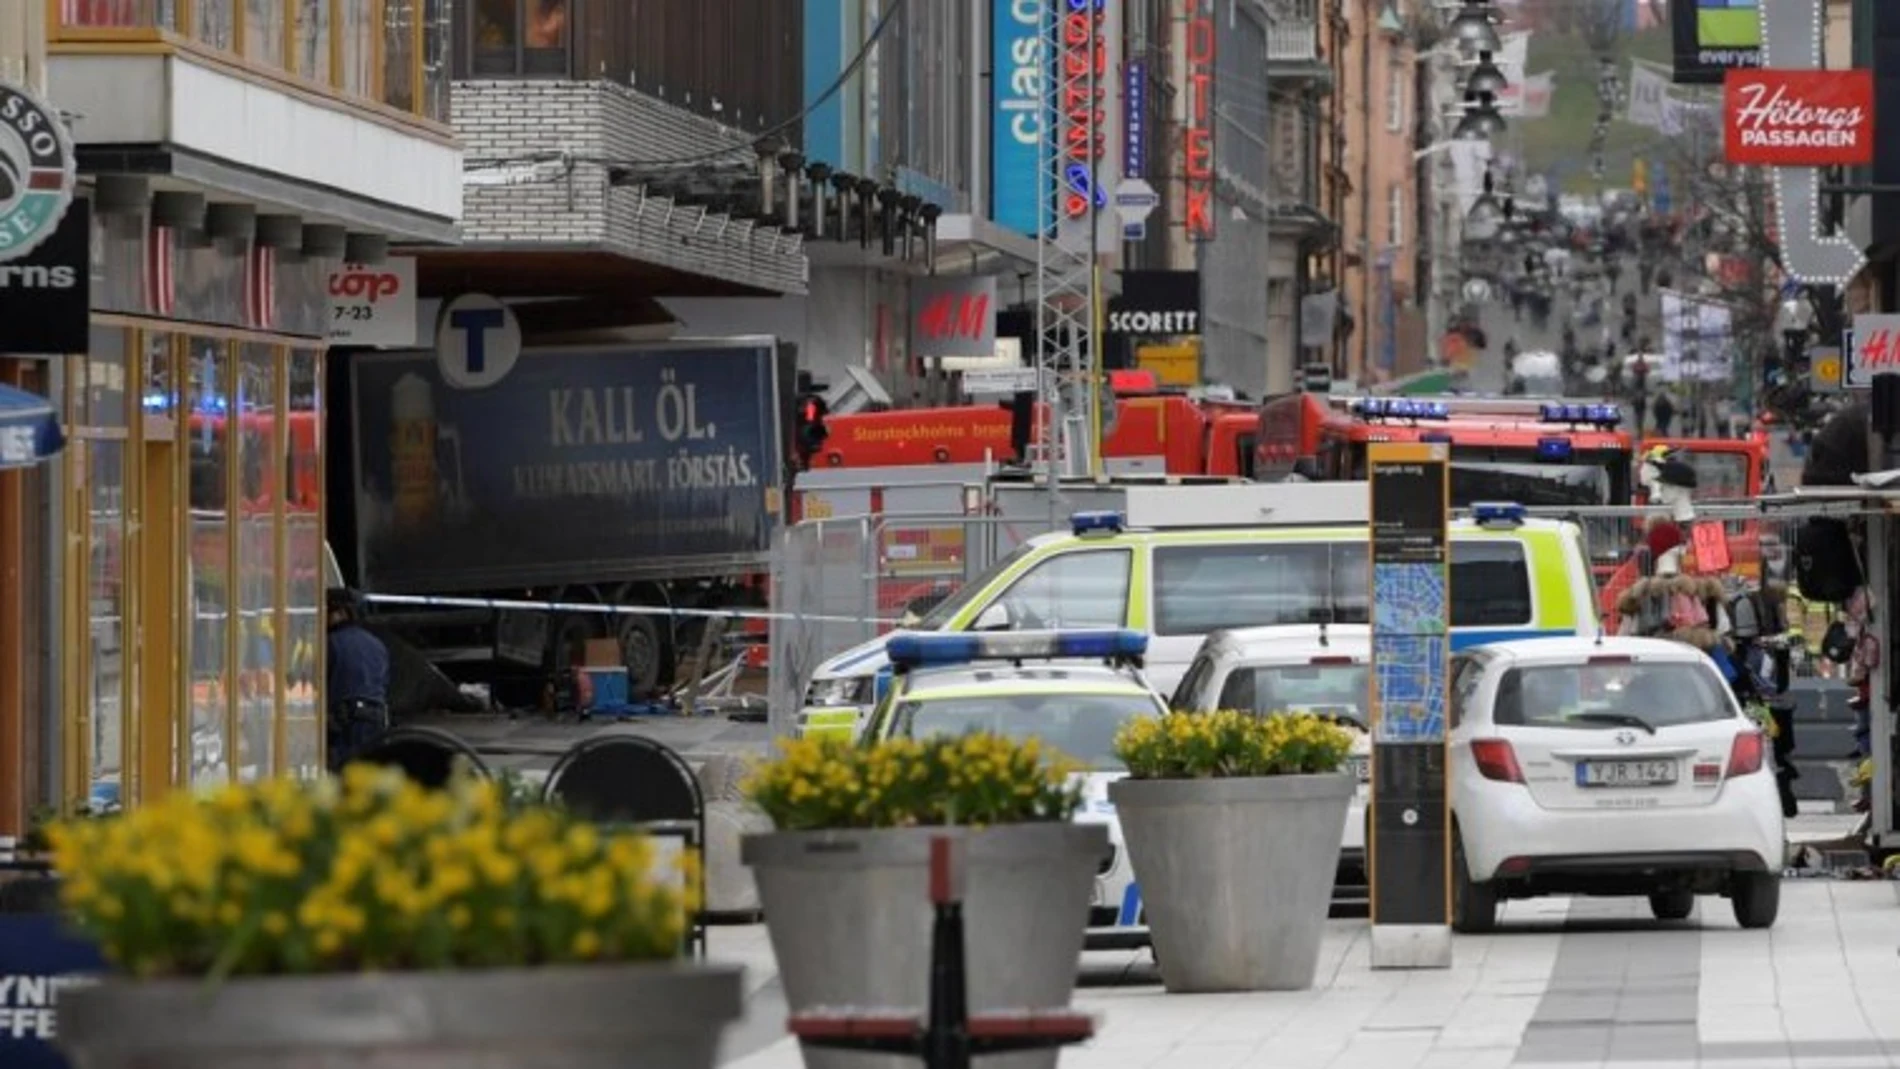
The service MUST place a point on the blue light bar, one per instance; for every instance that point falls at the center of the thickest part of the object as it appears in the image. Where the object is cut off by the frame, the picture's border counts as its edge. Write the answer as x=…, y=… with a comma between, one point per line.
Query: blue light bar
x=1497, y=513
x=1399, y=408
x=1556, y=449
x=1096, y=522
x=917, y=651
x=1598, y=415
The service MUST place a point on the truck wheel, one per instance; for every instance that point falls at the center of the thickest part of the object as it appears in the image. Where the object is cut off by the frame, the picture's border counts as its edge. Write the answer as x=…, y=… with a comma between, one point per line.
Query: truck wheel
x=643, y=652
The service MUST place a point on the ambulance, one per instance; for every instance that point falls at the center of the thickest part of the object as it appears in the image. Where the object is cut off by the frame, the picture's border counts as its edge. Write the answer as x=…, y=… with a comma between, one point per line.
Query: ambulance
x=1181, y=566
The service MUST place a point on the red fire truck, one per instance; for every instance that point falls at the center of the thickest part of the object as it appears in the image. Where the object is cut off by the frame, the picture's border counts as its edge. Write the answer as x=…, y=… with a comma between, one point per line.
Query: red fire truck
x=1531, y=451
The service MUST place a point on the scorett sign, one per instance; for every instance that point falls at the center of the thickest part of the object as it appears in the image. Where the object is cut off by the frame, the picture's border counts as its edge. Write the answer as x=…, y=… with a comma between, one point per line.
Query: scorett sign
x=1156, y=304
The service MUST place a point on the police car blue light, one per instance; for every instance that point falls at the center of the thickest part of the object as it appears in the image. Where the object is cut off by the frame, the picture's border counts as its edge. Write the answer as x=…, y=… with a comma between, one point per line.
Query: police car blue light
x=1400, y=408
x=1558, y=449
x=1096, y=522
x=918, y=651
x=1497, y=513
x=1600, y=415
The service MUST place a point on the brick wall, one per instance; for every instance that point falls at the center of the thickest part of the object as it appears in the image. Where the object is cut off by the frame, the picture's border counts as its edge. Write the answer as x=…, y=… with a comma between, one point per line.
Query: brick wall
x=509, y=198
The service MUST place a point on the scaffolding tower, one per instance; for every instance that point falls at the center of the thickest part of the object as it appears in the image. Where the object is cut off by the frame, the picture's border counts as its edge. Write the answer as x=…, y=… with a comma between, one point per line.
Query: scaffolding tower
x=1068, y=284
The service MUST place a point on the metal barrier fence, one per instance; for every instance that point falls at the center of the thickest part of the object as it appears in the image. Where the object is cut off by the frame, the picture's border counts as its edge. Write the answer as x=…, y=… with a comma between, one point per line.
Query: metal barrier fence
x=843, y=581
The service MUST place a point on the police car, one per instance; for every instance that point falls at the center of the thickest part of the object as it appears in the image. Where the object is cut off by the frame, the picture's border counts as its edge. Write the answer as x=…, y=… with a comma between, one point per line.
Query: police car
x=1316, y=668
x=1512, y=577
x=1072, y=690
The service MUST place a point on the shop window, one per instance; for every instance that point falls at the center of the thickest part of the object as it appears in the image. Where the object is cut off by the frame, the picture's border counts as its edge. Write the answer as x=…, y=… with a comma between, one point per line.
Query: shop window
x=519, y=38
x=208, y=586
x=399, y=54
x=303, y=567
x=264, y=31
x=98, y=406
x=261, y=471
x=359, y=29
x=312, y=55
x=435, y=60
x=213, y=22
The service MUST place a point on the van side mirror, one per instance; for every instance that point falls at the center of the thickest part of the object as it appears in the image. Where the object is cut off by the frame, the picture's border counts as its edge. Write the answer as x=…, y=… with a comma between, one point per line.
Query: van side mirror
x=994, y=618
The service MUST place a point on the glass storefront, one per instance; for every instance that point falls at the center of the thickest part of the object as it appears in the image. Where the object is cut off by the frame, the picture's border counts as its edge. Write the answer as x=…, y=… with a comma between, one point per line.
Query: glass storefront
x=198, y=470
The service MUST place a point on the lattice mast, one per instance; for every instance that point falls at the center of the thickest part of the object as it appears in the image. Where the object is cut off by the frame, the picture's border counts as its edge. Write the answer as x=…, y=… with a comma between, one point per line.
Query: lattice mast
x=1067, y=364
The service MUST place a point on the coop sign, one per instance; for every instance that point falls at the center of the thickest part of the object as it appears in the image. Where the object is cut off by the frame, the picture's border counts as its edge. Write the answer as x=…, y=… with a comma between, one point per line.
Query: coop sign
x=1085, y=87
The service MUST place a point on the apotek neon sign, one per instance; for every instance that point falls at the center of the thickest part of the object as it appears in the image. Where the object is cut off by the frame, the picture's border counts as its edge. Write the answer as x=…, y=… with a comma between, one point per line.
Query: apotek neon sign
x=1198, y=142
x=1084, y=50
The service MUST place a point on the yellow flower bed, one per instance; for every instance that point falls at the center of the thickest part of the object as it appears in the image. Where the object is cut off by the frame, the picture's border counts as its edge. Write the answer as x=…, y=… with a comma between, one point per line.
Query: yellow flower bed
x=1230, y=744
x=370, y=873
x=975, y=779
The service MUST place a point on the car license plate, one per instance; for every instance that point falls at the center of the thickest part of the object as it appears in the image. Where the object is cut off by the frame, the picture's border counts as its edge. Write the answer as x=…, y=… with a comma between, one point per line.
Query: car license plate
x=1360, y=767
x=1626, y=773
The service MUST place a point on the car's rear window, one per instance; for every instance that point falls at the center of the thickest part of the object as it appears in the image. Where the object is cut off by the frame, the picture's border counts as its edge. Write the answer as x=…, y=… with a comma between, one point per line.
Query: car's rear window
x=1081, y=726
x=1333, y=690
x=1608, y=695
x=1199, y=589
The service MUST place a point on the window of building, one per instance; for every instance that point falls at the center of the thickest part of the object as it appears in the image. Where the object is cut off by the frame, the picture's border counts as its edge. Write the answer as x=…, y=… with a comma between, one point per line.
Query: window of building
x=303, y=563
x=1395, y=215
x=519, y=38
x=1072, y=590
x=261, y=469
x=208, y=587
x=1395, y=100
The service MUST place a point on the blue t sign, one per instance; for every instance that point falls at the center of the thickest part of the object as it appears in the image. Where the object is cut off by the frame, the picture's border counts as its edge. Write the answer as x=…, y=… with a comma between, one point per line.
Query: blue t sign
x=475, y=323
x=478, y=342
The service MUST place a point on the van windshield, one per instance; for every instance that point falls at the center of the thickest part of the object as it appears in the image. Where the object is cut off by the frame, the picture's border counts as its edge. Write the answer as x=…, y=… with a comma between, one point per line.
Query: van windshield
x=938, y=616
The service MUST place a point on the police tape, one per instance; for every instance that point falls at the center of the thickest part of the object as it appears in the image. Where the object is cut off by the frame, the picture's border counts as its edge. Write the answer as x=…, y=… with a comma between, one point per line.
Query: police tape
x=432, y=601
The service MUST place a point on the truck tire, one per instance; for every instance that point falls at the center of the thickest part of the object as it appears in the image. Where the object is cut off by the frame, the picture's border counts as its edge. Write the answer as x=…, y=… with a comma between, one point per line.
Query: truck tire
x=644, y=651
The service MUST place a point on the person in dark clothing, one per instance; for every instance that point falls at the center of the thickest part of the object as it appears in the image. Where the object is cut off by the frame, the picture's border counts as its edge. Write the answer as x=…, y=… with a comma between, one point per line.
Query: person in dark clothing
x=1665, y=411
x=357, y=681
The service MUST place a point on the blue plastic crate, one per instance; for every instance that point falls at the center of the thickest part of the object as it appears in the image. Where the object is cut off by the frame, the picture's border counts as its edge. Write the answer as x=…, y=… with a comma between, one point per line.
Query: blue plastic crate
x=610, y=689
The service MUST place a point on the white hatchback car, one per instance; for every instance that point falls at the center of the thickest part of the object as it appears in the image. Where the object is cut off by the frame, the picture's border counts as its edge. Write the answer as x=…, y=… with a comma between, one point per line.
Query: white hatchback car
x=1302, y=668
x=1622, y=766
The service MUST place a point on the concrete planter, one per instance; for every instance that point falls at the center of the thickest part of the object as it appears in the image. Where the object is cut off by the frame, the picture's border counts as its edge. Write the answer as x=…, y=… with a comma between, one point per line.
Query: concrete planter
x=1236, y=875
x=849, y=915
x=656, y=1016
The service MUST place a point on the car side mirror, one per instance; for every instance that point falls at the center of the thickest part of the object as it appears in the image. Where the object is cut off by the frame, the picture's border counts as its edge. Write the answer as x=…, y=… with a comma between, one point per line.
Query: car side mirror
x=994, y=618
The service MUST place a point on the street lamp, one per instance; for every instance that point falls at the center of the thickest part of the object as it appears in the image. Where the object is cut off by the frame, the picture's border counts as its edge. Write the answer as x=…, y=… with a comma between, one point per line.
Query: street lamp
x=1487, y=77
x=1481, y=120
x=1475, y=28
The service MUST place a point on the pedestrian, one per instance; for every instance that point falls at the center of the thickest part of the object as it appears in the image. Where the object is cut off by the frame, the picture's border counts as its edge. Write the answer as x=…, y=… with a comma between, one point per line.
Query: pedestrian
x=357, y=683
x=1665, y=412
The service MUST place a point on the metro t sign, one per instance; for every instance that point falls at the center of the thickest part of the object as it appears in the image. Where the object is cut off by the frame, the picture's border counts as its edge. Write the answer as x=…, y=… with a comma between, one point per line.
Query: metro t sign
x=1798, y=118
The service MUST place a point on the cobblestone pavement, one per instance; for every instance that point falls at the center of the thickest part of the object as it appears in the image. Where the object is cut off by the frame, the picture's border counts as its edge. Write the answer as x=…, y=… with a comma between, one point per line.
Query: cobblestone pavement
x=1565, y=984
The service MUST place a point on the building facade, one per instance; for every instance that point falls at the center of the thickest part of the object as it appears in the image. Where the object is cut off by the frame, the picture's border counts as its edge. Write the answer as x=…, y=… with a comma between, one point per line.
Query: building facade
x=1381, y=219
x=166, y=628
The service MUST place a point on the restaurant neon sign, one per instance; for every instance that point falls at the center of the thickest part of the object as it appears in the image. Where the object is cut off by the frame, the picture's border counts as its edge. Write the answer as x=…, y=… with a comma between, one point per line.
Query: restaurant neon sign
x=1084, y=51
x=1198, y=139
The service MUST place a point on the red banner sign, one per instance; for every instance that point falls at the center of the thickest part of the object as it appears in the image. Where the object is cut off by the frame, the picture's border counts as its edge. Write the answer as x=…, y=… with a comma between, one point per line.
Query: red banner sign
x=1083, y=117
x=1198, y=142
x=1777, y=118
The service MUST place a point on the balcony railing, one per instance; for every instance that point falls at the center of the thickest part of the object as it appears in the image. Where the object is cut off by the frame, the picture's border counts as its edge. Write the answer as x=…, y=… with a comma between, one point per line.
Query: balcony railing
x=1293, y=41
x=388, y=53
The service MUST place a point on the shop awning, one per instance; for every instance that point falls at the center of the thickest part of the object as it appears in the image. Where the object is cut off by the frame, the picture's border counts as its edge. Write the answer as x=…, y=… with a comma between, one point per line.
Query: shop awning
x=29, y=428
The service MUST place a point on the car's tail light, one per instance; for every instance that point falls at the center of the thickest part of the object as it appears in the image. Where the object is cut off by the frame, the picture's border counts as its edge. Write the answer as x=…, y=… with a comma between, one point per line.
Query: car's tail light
x=1331, y=662
x=1746, y=753
x=1496, y=760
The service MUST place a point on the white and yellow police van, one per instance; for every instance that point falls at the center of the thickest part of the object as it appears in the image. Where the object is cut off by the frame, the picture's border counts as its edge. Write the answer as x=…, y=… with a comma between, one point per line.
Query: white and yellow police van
x=1512, y=577
x=1073, y=690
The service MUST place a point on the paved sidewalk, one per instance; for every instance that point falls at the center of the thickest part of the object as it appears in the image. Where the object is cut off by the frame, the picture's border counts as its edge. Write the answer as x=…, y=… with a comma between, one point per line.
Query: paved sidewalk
x=1567, y=983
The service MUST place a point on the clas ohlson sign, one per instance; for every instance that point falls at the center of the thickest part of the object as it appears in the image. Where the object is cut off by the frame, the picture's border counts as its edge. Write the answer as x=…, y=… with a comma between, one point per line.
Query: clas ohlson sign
x=1019, y=114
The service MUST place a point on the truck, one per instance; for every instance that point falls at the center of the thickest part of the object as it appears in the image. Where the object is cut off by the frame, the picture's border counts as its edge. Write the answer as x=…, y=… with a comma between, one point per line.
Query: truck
x=615, y=484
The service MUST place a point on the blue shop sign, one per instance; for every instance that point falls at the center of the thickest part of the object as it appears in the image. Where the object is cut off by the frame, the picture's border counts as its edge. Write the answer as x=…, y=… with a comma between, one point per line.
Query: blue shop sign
x=39, y=959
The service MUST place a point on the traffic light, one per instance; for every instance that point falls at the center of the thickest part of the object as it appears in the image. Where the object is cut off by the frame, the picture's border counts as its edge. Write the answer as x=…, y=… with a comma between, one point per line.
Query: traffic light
x=811, y=433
